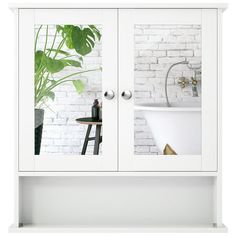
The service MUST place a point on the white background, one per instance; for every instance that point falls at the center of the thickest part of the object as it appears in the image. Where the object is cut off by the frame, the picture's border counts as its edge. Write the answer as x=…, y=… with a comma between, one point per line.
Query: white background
x=7, y=112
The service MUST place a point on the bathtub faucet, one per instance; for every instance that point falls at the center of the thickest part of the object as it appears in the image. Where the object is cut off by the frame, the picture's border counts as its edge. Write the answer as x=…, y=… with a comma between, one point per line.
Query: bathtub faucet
x=194, y=87
x=184, y=81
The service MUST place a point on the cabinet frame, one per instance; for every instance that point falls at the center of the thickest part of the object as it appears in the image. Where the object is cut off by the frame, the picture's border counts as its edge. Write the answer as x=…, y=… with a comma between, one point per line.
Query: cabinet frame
x=218, y=226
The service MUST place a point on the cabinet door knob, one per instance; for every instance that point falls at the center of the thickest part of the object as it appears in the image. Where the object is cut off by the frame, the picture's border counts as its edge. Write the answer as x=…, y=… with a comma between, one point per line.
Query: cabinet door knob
x=126, y=94
x=109, y=94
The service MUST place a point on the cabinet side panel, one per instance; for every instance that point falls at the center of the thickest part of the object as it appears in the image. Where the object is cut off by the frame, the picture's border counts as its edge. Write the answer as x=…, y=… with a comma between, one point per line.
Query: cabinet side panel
x=209, y=89
x=218, y=179
x=16, y=182
x=26, y=89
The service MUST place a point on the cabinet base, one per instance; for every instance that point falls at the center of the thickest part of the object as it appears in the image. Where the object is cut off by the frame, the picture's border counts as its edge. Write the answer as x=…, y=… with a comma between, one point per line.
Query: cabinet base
x=120, y=229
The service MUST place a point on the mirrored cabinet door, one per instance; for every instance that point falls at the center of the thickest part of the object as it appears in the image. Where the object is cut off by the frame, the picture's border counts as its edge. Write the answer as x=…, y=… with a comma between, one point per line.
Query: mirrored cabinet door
x=168, y=89
x=67, y=89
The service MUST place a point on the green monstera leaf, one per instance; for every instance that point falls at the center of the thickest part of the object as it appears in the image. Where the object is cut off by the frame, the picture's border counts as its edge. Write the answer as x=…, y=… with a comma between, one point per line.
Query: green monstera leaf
x=80, y=39
x=71, y=63
x=95, y=31
x=53, y=65
x=83, y=40
x=66, y=31
x=59, y=51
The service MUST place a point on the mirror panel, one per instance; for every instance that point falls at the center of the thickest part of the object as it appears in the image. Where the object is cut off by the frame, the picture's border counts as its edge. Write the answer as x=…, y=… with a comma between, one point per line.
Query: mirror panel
x=68, y=80
x=167, y=89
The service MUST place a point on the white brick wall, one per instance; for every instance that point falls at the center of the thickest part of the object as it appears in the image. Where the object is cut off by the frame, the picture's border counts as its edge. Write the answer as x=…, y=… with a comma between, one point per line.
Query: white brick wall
x=61, y=134
x=156, y=48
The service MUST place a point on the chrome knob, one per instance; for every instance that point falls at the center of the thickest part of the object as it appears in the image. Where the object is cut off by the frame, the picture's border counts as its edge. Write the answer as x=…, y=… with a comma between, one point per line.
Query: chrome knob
x=126, y=94
x=109, y=94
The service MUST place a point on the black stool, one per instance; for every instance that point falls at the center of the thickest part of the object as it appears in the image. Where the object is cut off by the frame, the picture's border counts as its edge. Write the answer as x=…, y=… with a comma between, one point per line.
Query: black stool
x=97, y=139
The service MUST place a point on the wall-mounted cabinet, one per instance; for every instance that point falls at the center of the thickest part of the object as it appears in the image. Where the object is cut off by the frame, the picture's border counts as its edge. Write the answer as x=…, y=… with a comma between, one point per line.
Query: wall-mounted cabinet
x=121, y=93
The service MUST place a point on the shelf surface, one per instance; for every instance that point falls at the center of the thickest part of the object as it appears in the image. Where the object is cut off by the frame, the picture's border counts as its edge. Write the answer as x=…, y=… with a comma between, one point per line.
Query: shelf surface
x=130, y=229
x=117, y=173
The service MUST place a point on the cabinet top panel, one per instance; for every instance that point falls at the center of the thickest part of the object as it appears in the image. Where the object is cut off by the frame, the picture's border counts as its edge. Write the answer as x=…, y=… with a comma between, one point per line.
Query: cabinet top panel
x=222, y=6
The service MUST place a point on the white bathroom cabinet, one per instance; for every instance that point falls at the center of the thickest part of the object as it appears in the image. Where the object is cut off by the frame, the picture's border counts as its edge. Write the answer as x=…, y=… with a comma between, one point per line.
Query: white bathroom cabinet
x=131, y=186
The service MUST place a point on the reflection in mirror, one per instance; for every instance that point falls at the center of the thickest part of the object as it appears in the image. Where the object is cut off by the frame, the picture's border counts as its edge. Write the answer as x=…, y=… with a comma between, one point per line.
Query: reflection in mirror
x=68, y=89
x=167, y=90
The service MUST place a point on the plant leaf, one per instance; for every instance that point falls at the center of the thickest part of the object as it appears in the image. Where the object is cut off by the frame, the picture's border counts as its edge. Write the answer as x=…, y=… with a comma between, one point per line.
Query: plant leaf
x=38, y=59
x=53, y=65
x=52, y=81
x=51, y=95
x=67, y=31
x=79, y=86
x=71, y=63
x=69, y=43
x=95, y=31
x=83, y=40
x=66, y=34
x=59, y=28
x=59, y=51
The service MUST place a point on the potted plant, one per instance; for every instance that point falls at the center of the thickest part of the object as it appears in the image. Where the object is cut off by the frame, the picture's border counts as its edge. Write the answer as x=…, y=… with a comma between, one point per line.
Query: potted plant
x=52, y=59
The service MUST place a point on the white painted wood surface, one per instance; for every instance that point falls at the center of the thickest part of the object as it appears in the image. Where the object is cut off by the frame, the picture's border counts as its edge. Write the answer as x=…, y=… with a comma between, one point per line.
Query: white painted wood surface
x=117, y=201
x=209, y=90
x=183, y=194
x=117, y=173
x=124, y=229
x=16, y=124
x=222, y=6
x=218, y=181
x=30, y=176
x=26, y=89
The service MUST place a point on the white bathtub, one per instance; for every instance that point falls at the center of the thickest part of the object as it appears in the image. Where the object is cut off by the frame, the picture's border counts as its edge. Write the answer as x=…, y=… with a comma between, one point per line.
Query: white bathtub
x=178, y=125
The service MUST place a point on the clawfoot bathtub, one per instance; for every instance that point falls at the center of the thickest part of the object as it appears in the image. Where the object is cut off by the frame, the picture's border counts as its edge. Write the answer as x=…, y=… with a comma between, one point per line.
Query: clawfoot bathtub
x=178, y=125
